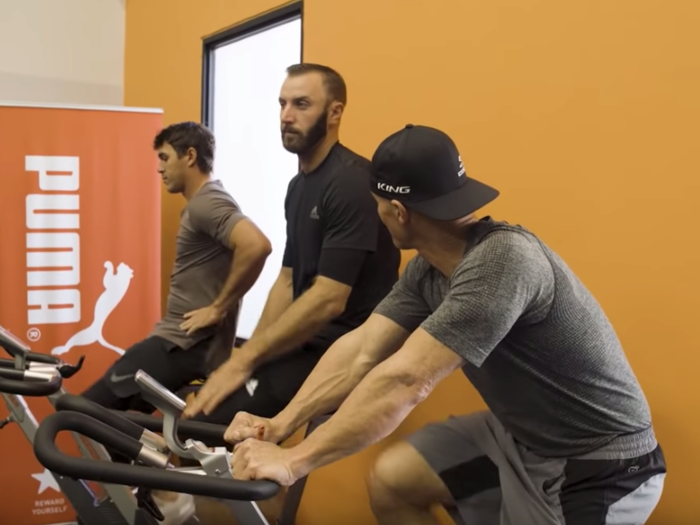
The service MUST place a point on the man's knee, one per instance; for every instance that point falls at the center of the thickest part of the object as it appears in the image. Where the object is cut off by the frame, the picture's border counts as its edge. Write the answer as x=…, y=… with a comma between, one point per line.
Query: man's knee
x=101, y=393
x=401, y=477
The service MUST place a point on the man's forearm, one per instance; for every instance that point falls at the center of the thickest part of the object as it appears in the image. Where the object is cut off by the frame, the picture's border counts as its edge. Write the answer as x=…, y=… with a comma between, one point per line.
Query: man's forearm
x=370, y=413
x=245, y=270
x=298, y=324
x=337, y=373
x=278, y=300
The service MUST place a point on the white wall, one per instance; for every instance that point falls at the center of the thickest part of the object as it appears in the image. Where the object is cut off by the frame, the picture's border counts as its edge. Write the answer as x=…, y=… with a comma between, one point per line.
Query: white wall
x=250, y=160
x=62, y=51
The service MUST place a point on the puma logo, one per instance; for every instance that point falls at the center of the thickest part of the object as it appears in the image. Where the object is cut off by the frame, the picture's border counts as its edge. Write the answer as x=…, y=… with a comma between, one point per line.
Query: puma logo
x=116, y=286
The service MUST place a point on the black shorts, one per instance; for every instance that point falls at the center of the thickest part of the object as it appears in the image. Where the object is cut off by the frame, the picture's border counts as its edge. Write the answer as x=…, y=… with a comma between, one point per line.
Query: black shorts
x=272, y=386
x=163, y=360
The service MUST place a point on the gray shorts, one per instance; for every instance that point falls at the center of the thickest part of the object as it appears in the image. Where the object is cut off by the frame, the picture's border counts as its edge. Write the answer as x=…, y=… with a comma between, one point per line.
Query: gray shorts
x=496, y=481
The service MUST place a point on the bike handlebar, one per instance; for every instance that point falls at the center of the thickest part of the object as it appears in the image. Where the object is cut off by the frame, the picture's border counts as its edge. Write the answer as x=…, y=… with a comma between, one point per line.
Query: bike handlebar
x=22, y=355
x=159, y=396
x=14, y=346
x=42, y=358
x=112, y=418
x=171, y=407
x=7, y=363
x=211, y=434
x=48, y=454
x=134, y=424
x=29, y=383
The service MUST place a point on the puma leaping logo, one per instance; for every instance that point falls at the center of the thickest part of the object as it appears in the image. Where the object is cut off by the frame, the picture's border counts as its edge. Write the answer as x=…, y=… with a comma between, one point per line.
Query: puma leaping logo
x=116, y=285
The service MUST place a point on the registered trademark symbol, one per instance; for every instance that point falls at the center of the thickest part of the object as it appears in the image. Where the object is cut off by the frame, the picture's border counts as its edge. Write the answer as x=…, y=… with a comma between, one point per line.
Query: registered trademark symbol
x=33, y=334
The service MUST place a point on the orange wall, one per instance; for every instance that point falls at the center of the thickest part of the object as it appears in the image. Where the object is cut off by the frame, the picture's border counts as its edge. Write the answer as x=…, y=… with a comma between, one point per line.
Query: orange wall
x=584, y=114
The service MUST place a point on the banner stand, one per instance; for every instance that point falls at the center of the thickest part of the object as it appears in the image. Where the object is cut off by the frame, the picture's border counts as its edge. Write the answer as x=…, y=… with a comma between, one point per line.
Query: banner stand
x=79, y=261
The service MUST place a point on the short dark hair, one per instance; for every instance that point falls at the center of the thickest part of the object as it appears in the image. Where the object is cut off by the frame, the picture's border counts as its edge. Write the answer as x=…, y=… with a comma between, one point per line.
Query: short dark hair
x=335, y=85
x=185, y=135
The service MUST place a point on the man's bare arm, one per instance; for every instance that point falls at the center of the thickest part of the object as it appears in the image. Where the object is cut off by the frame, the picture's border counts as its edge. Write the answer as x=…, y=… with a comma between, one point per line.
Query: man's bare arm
x=340, y=370
x=278, y=300
x=321, y=303
x=251, y=249
x=379, y=404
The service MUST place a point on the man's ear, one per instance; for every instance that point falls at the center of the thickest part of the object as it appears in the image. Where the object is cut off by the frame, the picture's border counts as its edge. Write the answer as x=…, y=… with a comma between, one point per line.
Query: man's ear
x=401, y=212
x=191, y=155
x=335, y=112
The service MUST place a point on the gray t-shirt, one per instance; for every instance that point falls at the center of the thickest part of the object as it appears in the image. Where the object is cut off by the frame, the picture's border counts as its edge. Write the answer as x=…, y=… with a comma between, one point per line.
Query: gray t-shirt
x=538, y=347
x=203, y=262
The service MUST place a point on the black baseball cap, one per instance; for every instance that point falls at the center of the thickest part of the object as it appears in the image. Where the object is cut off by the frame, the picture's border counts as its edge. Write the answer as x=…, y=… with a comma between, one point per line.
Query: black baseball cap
x=420, y=167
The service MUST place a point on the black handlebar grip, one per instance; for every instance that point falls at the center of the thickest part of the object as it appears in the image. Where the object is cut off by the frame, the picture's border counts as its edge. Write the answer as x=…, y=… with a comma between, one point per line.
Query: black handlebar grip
x=31, y=357
x=43, y=358
x=13, y=348
x=96, y=430
x=7, y=363
x=27, y=388
x=210, y=434
x=48, y=454
x=108, y=417
x=12, y=373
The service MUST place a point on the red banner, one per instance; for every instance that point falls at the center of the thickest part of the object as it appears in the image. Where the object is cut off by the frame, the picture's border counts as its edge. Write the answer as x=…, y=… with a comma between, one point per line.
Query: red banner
x=79, y=262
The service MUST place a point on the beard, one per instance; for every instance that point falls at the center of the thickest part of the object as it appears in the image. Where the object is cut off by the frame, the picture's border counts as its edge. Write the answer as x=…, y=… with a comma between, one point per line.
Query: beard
x=298, y=142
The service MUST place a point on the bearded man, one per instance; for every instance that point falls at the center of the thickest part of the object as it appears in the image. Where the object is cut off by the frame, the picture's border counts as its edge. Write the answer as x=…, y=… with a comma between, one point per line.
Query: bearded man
x=339, y=260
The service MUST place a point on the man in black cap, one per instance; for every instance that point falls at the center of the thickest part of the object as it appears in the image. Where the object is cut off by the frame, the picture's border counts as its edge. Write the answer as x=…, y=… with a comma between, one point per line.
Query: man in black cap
x=567, y=437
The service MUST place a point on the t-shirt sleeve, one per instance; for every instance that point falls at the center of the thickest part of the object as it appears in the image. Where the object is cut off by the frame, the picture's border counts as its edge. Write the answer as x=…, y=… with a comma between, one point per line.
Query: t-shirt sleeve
x=405, y=304
x=288, y=255
x=505, y=279
x=215, y=214
x=351, y=226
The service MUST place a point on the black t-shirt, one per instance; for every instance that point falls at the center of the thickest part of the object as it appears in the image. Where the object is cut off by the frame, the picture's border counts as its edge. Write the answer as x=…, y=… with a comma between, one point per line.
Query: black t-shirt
x=334, y=230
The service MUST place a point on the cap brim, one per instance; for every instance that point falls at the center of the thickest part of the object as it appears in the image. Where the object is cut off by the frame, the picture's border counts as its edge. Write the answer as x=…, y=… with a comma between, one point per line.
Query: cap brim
x=464, y=201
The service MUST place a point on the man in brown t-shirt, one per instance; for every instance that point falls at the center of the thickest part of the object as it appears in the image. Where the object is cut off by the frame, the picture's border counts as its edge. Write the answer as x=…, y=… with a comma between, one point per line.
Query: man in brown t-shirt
x=219, y=256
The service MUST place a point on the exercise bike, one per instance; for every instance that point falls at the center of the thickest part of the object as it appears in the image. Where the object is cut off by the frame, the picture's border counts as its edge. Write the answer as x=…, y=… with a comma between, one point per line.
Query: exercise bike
x=38, y=375
x=115, y=504
x=150, y=469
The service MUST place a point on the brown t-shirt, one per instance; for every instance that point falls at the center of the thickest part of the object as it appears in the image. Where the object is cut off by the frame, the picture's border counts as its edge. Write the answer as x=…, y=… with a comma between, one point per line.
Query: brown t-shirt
x=203, y=262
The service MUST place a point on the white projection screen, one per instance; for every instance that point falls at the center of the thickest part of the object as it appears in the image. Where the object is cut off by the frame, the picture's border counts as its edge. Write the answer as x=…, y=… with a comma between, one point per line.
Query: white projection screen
x=250, y=161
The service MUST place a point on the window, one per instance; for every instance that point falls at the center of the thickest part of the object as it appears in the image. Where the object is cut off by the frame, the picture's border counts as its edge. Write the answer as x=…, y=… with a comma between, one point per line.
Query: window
x=243, y=71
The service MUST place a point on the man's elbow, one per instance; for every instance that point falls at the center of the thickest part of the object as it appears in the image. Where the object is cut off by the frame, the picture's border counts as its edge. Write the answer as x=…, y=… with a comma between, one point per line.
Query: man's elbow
x=334, y=303
x=330, y=297
x=339, y=306
x=418, y=388
x=409, y=387
x=333, y=307
x=260, y=250
x=264, y=248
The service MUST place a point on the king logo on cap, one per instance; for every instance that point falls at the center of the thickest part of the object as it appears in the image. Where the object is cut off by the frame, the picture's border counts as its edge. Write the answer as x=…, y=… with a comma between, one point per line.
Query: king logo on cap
x=416, y=166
